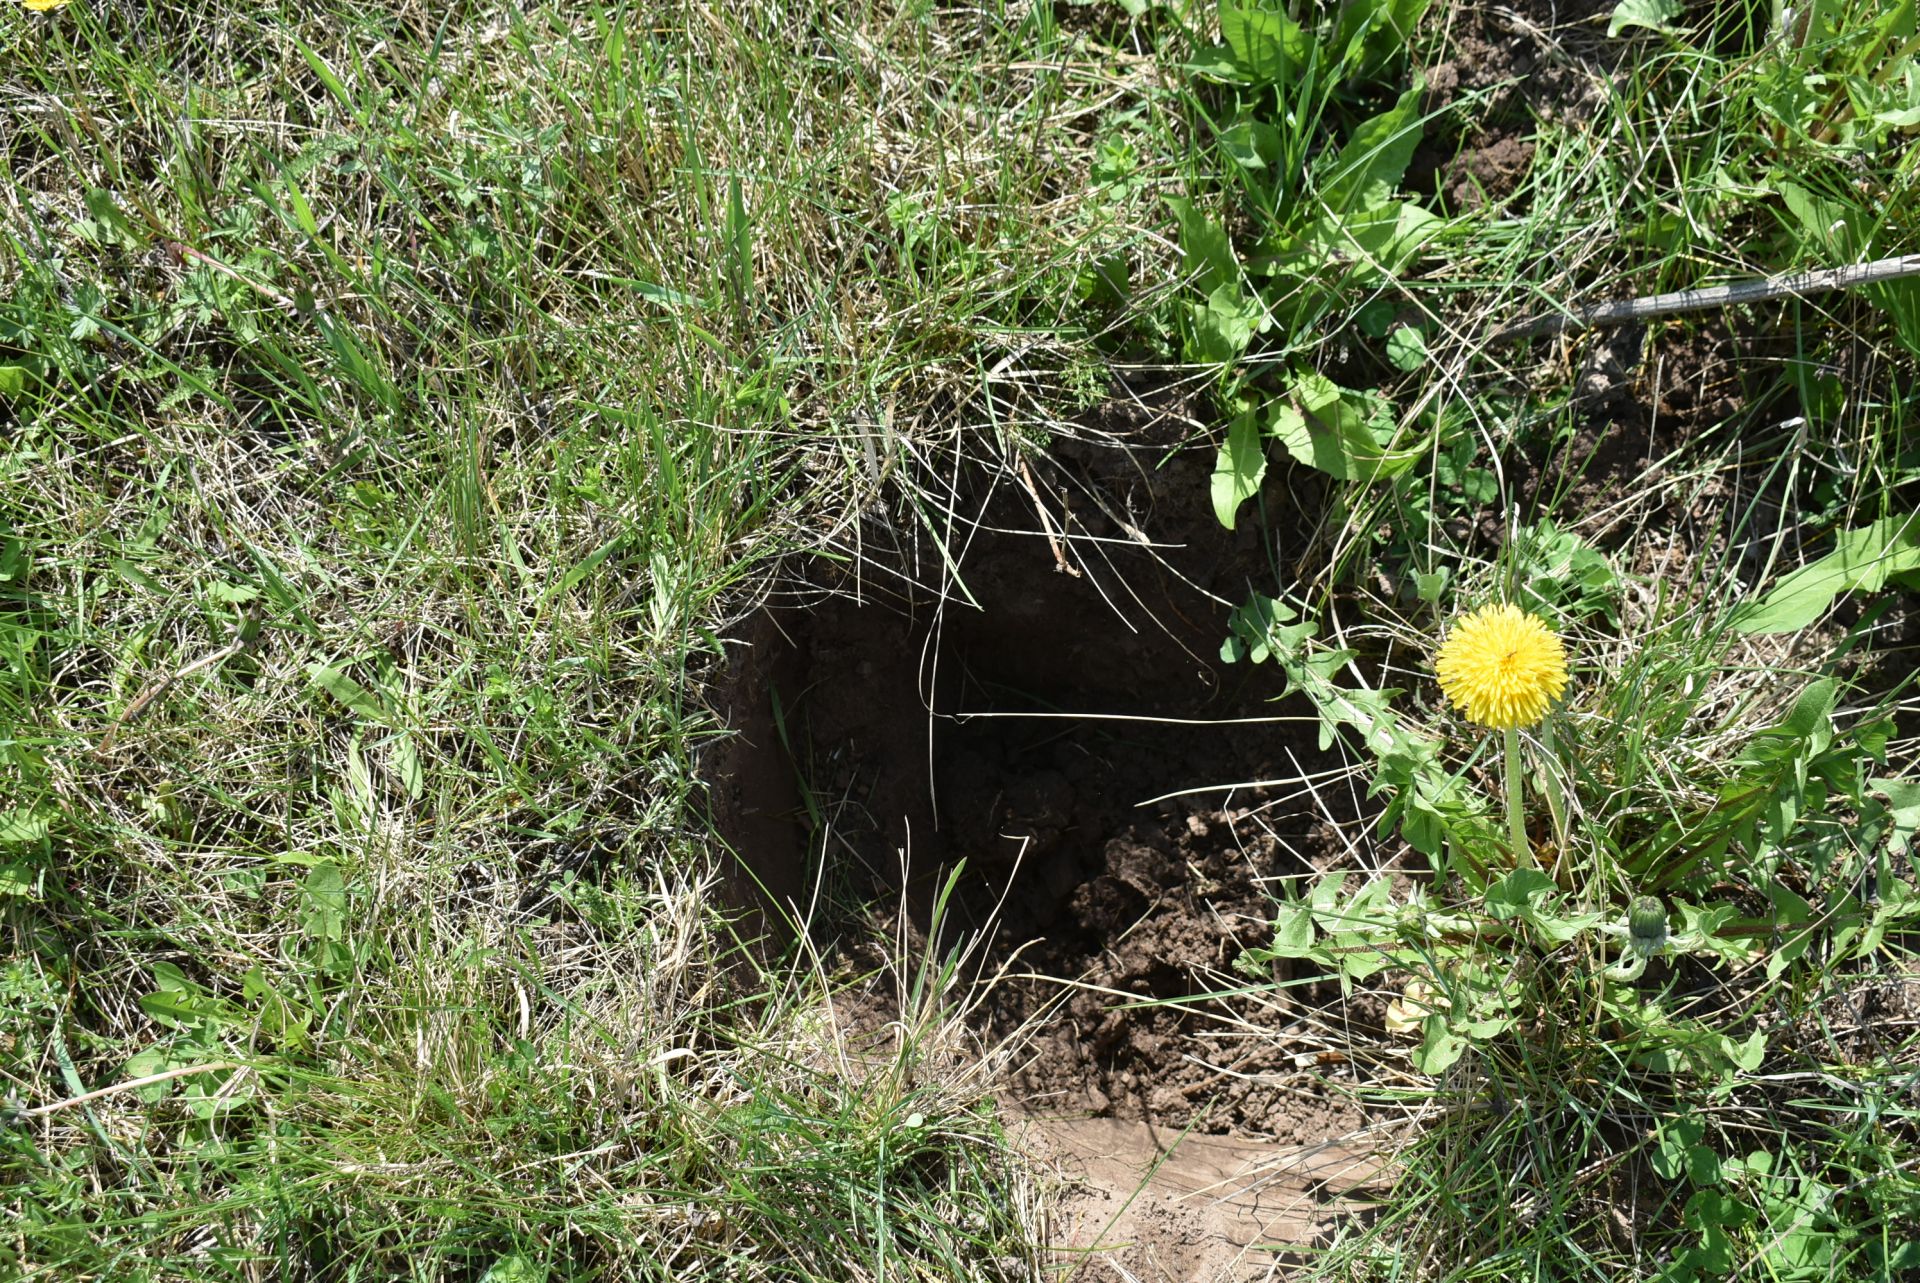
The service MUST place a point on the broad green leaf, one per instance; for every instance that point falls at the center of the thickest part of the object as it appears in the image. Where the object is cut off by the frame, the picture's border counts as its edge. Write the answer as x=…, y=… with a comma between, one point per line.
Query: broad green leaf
x=1317, y=449
x=406, y=764
x=1292, y=930
x=335, y=682
x=168, y=976
x=232, y=594
x=1862, y=560
x=1324, y=899
x=178, y=1002
x=1676, y=1139
x=296, y=201
x=1242, y=466
x=1374, y=906
x=277, y=1017
x=1255, y=629
x=1703, y=1165
x=1560, y=927
x=300, y=858
x=1371, y=32
x=323, y=903
x=1712, y=1208
x=1407, y=348
x=1402, y=16
x=1705, y=922
x=112, y=224
x=1266, y=44
x=1875, y=553
x=1439, y=1046
x=178, y=1008
x=1514, y=894
x=516, y=1268
x=1216, y=62
x=1337, y=440
x=18, y=881
x=1315, y=392
x=1749, y=1053
x=1657, y=15
x=13, y=380
x=156, y=1059
x=1827, y=224
x=1813, y=710
x=1556, y=565
x=24, y=825
x=653, y=292
x=739, y=238
x=1903, y=801
x=1374, y=159
x=1106, y=281
x=137, y=577
x=1225, y=325
x=1425, y=828
x=208, y=1094
x=1209, y=254
x=1370, y=244
x=1253, y=144
x=1791, y=913
x=1524, y=894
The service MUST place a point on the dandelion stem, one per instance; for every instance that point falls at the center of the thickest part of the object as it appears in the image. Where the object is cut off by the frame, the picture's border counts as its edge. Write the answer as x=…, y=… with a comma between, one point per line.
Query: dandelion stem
x=1516, y=820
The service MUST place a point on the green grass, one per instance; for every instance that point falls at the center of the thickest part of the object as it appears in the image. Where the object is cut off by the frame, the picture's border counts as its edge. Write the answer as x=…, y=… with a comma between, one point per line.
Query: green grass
x=401, y=407
x=403, y=404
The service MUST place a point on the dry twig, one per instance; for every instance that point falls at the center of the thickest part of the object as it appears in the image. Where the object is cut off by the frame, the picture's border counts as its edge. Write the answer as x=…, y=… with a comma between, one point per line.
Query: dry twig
x=1711, y=296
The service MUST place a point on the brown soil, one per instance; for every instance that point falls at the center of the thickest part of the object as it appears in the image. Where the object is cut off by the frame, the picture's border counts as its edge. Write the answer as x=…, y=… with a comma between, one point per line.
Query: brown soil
x=1641, y=398
x=1484, y=173
x=1161, y=1206
x=987, y=711
x=999, y=719
x=1532, y=58
x=996, y=712
x=1498, y=70
x=999, y=725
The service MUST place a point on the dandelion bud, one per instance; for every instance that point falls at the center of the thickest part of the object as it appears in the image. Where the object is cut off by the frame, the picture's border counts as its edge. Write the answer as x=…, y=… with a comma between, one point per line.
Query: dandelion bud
x=1647, y=923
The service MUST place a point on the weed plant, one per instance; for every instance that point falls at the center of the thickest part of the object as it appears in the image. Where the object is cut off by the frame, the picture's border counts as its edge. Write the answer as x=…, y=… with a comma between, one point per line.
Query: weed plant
x=1672, y=1036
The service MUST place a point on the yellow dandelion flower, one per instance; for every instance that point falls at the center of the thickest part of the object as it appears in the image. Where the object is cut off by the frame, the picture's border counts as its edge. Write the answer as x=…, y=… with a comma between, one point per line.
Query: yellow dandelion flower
x=44, y=6
x=1502, y=667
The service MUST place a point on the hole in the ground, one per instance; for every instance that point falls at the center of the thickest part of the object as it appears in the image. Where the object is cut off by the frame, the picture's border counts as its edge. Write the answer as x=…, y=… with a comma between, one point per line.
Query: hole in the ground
x=1025, y=724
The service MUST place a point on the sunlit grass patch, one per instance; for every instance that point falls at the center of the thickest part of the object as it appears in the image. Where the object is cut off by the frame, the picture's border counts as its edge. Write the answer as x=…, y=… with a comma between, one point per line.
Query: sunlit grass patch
x=401, y=404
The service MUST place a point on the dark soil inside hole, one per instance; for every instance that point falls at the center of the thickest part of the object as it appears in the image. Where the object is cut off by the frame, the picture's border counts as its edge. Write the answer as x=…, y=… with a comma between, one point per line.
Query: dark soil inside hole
x=1032, y=724
x=1015, y=735
x=1001, y=720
